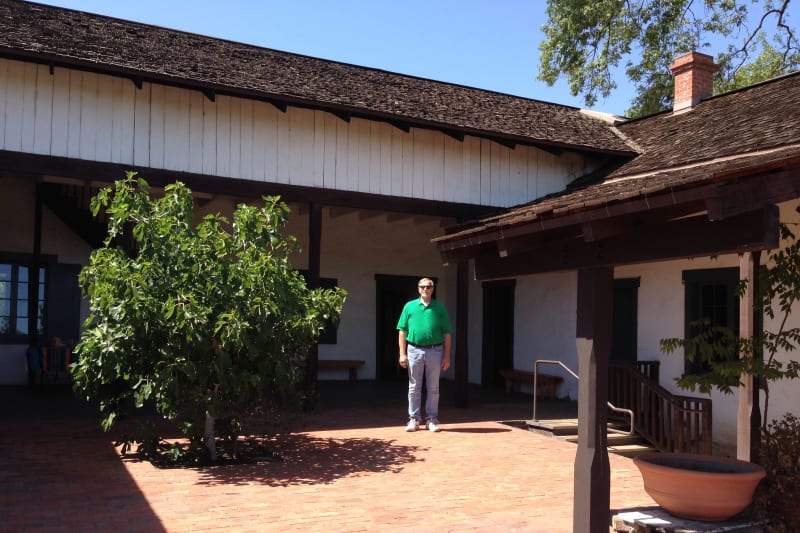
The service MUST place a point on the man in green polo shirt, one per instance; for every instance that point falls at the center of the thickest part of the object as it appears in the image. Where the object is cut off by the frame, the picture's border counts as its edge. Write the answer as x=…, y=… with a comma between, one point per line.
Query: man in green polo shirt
x=424, y=336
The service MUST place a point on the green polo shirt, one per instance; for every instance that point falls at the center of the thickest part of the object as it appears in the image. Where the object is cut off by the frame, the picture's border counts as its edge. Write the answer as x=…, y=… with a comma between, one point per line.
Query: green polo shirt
x=425, y=324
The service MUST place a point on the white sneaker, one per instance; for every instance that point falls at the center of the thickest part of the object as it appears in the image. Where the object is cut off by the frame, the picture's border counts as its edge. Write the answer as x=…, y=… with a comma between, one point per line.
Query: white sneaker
x=412, y=425
x=433, y=425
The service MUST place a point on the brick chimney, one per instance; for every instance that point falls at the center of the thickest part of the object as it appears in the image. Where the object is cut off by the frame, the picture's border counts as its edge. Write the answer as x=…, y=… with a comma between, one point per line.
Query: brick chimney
x=694, y=79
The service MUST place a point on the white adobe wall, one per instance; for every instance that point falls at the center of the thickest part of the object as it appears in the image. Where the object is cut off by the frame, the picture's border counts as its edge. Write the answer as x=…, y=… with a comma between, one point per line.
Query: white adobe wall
x=356, y=246
x=661, y=310
x=354, y=249
x=545, y=329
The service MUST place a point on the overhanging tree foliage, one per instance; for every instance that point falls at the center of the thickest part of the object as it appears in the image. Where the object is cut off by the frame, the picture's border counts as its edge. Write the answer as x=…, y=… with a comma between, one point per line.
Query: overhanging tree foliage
x=586, y=40
x=208, y=322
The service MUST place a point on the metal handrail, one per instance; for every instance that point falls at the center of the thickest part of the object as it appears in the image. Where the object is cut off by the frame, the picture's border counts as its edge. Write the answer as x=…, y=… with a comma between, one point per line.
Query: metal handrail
x=573, y=374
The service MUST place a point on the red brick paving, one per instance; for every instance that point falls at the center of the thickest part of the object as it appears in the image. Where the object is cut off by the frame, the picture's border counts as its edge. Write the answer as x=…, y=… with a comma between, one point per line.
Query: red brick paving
x=349, y=469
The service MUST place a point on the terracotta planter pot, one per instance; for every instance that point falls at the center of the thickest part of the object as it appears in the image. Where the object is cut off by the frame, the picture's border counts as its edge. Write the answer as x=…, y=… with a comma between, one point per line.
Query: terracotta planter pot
x=699, y=487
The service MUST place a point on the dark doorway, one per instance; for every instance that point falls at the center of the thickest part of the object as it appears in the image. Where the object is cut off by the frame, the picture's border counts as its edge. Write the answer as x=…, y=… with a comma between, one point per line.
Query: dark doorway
x=625, y=324
x=392, y=293
x=64, y=302
x=498, y=331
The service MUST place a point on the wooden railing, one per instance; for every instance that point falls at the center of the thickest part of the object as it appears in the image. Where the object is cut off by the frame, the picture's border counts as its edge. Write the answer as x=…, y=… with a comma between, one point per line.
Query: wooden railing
x=672, y=423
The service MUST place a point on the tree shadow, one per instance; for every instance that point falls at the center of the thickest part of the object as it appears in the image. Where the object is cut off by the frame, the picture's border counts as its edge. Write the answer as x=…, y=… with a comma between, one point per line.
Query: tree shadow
x=310, y=460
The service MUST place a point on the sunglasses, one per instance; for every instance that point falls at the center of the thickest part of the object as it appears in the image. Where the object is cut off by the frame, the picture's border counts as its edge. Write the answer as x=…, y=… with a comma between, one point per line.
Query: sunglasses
x=424, y=287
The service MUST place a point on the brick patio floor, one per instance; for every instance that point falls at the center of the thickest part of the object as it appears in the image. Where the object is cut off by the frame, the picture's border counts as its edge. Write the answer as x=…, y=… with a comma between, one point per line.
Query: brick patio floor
x=349, y=467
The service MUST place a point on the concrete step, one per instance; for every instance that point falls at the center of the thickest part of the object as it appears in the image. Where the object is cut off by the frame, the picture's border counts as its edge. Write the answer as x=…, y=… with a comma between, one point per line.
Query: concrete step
x=567, y=429
x=631, y=450
x=614, y=439
x=558, y=427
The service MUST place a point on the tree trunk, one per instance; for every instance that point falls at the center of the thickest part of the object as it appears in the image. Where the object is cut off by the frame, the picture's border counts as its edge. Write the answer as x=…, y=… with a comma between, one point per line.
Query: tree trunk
x=209, y=434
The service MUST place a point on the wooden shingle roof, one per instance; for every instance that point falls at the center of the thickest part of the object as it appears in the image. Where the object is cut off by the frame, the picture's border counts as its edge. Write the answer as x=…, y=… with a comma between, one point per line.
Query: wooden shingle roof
x=757, y=118
x=63, y=37
x=752, y=131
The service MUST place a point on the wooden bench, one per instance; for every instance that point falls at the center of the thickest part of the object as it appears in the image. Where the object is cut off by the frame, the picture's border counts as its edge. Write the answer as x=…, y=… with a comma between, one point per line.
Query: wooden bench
x=351, y=365
x=545, y=386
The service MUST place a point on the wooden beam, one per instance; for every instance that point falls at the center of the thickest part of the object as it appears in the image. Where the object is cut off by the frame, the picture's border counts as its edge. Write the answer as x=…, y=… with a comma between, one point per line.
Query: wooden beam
x=454, y=134
x=592, y=477
x=684, y=238
x=343, y=115
x=603, y=229
x=748, y=273
x=280, y=106
x=511, y=145
x=671, y=203
x=336, y=212
x=33, y=274
x=35, y=165
x=366, y=214
x=735, y=198
x=402, y=126
x=461, y=358
x=453, y=257
x=313, y=280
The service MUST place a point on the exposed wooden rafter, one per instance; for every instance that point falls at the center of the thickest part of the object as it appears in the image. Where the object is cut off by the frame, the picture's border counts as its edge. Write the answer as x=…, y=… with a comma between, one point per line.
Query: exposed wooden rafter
x=280, y=106
x=683, y=238
x=343, y=115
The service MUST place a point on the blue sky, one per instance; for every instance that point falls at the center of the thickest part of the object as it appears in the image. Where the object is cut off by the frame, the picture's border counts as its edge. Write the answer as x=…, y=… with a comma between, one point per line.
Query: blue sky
x=490, y=44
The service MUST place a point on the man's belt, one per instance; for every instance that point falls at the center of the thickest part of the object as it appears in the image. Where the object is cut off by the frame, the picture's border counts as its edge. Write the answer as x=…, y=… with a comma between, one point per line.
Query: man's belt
x=425, y=345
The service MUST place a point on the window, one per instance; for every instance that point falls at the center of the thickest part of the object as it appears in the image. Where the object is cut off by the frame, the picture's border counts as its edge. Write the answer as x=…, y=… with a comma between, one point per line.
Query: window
x=15, y=310
x=710, y=295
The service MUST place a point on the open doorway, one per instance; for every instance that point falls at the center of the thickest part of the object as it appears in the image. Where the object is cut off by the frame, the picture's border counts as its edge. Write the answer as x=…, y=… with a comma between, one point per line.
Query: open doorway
x=391, y=294
x=498, y=331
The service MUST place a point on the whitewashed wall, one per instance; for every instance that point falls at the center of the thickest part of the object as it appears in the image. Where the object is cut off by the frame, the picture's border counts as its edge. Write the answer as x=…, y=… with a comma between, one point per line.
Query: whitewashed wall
x=661, y=310
x=354, y=249
x=102, y=118
x=355, y=246
x=545, y=329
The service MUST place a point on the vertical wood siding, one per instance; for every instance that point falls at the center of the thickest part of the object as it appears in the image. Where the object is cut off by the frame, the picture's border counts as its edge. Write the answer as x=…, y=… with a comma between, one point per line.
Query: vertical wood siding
x=102, y=118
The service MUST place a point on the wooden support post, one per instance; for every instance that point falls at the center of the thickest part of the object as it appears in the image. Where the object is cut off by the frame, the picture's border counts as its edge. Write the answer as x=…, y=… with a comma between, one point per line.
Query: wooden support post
x=592, y=476
x=748, y=271
x=314, y=261
x=33, y=273
x=461, y=357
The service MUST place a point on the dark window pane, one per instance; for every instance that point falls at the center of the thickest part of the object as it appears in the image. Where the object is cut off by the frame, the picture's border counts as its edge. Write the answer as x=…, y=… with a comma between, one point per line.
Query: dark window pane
x=14, y=294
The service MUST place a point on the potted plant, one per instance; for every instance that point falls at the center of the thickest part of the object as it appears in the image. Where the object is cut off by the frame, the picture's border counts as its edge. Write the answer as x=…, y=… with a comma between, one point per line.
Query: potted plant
x=699, y=487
